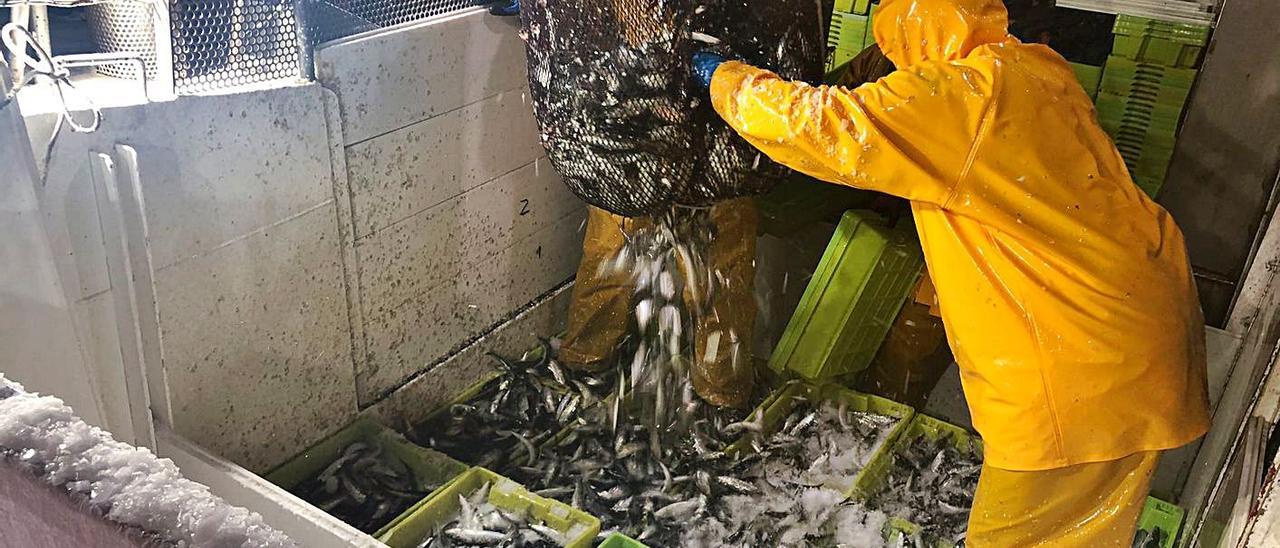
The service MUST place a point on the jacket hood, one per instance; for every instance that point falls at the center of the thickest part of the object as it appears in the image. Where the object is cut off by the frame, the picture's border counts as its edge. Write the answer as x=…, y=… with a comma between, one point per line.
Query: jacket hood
x=911, y=31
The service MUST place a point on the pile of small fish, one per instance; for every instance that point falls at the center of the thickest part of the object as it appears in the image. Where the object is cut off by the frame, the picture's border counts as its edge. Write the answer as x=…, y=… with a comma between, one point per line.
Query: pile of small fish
x=798, y=479
x=617, y=477
x=931, y=484
x=531, y=399
x=364, y=487
x=480, y=523
x=696, y=493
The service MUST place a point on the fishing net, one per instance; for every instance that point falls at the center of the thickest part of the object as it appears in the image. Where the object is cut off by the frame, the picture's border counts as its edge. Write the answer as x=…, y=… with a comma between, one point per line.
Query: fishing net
x=623, y=119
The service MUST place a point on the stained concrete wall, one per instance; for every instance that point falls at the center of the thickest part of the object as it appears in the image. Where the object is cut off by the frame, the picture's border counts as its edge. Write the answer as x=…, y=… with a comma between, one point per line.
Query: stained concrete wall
x=455, y=214
x=330, y=247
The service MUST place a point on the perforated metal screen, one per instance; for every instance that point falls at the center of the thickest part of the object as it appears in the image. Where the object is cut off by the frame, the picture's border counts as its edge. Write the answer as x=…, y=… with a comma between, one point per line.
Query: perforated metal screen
x=332, y=19
x=124, y=28
x=220, y=44
x=385, y=13
x=227, y=43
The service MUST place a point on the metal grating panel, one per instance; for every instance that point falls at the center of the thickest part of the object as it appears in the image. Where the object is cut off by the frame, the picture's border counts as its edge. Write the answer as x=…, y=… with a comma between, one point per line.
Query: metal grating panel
x=333, y=19
x=228, y=43
x=219, y=44
x=385, y=13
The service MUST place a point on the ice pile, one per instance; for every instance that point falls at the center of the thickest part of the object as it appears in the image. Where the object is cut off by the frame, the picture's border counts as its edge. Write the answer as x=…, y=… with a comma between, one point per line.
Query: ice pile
x=799, y=479
x=129, y=485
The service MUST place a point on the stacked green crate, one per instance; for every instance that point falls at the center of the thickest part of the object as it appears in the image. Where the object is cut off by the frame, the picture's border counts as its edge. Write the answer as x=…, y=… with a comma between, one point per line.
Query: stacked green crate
x=1089, y=76
x=1145, y=86
x=850, y=32
x=1159, y=524
x=1159, y=42
x=577, y=527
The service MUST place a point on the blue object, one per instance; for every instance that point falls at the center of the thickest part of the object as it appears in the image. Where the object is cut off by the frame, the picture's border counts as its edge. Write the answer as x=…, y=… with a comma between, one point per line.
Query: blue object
x=505, y=8
x=705, y=64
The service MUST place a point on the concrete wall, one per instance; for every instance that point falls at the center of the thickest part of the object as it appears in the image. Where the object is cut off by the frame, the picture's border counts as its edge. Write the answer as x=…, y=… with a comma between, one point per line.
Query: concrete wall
x=254, y=343
x=455, y=215
x=314, y=252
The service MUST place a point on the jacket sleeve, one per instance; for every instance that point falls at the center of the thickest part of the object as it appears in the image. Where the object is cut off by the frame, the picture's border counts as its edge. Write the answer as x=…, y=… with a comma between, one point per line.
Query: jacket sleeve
x=910, y=134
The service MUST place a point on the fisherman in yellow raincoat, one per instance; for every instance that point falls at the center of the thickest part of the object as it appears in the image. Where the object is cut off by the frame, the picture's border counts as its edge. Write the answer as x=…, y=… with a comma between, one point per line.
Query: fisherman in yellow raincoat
x=1066, y=293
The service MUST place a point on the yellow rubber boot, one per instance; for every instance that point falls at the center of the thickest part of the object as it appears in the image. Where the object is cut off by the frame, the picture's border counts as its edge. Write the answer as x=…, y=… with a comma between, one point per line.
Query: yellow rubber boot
x=724, y=370
x=600, y=309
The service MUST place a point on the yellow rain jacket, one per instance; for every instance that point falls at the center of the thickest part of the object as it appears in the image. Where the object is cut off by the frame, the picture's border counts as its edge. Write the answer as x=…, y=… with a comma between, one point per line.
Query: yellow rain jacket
x=1066, y=292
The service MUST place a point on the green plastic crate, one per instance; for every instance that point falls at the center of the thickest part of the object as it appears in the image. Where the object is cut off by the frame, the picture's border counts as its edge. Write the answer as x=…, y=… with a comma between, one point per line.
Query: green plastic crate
x=1150, y=163
x=1135, y=145
x=1167, y=517
x=1155, y=93
x=1136, y=25
x=619, y=540
x=801, y=392
x=860, y=7
x=1158, y=42
x=848, y=31
x=1162, y=130
x=1120, y=69
x=1089, y=77
x=897, y=529
x=837, y=60
x=431, y=469
x=1116, y=110
x=845, y=40
x=578, y=527
x=1149, y=185
x=862, y=281
x=875, y=473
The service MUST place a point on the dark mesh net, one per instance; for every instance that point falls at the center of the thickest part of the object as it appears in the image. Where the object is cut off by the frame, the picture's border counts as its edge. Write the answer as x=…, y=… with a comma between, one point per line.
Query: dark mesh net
x=623, y=119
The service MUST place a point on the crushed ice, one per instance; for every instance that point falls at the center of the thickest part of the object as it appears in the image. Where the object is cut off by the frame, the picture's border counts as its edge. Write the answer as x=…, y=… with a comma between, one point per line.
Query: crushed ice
x=129, y=485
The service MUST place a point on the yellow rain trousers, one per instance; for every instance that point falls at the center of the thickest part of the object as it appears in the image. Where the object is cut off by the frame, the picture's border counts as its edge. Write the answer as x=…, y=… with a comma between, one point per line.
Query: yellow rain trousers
x=1066, y=292
x=1094, y=505
x=600, y=309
